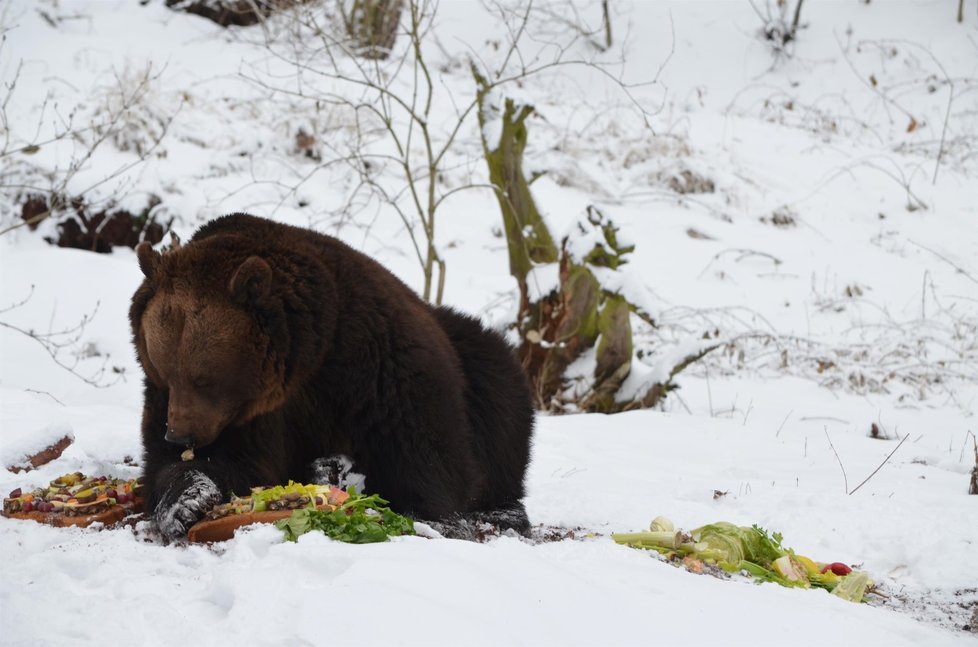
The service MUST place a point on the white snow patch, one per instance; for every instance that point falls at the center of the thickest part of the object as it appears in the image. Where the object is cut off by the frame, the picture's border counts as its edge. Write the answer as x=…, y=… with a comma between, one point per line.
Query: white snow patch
x=542, y=280
x=656, y=369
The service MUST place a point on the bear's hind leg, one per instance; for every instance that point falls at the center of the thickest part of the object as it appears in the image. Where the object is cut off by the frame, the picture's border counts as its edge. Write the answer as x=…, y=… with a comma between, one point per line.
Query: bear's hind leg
x=477, y=526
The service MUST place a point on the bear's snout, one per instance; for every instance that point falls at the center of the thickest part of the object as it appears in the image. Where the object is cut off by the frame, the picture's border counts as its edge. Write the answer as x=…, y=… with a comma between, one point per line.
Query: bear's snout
x=172, y=436
x=191, y=422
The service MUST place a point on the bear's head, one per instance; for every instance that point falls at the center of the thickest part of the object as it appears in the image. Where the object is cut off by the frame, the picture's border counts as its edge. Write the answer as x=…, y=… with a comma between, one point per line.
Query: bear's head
x=216, y=329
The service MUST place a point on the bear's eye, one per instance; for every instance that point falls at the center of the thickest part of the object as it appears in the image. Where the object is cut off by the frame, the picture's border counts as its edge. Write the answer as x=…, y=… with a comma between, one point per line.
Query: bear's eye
x=202, y=382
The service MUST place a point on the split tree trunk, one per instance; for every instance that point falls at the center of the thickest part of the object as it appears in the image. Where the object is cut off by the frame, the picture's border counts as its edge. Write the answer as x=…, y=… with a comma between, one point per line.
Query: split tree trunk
x=557, y=328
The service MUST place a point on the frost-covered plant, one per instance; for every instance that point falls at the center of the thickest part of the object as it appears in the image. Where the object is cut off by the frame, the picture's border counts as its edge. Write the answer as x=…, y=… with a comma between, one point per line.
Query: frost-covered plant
x=130, y=111
x=125, y=113
x=776, y=28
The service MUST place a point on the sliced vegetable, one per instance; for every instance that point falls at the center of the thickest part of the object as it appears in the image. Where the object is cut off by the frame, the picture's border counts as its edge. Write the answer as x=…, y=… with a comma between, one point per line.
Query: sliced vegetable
x=661, y=524
x=853, y=586
x=791, y=569
x=810, y=567
x=650, y=539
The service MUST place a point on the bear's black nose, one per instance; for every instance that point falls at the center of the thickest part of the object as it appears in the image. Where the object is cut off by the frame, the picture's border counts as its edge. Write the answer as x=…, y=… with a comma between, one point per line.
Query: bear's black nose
x=172, y=437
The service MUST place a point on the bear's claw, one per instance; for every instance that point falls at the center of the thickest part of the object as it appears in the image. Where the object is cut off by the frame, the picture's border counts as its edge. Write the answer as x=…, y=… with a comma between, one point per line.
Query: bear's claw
x=180, y=508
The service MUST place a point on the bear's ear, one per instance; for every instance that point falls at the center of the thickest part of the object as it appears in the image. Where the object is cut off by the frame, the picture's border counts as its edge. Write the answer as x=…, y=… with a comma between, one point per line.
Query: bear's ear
x=252, y=281
x=149, y=260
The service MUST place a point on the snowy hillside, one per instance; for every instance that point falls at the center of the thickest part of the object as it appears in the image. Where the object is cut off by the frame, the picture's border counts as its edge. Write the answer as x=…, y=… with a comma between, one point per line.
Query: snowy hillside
x=812, y=210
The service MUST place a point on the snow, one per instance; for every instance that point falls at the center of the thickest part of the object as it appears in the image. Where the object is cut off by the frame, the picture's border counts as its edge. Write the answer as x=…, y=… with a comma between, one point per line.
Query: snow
x=43, y=425
x=857, y=306
x=542, y=280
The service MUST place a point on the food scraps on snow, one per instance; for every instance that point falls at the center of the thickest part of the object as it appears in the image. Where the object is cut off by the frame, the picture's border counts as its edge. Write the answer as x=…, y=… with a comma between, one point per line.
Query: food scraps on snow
x=299, y=508
x=76, y=500
x=344, y=515
x=750, y=551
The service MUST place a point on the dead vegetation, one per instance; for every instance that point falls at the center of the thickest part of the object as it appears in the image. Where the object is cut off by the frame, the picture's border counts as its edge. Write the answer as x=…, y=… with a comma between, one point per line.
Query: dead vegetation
x=79, y=226
x=687, y=181
x=226, y=13
x=973, y=484
x=782, y=217
x=124, y=114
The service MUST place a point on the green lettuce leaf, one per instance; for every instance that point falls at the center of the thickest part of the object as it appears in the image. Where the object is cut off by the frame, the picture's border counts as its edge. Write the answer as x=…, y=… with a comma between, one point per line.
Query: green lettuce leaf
x=730, y=544
x=359, y=520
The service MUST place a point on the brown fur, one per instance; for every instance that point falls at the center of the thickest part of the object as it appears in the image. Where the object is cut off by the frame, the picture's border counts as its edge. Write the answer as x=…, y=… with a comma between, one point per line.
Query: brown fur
x=268, y=346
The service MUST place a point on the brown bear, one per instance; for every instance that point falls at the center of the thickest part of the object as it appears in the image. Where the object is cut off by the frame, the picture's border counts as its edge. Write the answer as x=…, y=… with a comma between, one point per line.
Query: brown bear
x=267, y=347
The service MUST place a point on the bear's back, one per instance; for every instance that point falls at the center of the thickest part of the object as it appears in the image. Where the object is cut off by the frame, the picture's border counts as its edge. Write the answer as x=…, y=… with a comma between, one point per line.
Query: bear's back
x=260, y=236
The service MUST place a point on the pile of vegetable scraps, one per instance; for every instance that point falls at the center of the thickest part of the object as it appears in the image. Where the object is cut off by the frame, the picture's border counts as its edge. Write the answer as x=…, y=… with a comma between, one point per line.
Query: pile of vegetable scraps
x=358, y=519
x=750, y=551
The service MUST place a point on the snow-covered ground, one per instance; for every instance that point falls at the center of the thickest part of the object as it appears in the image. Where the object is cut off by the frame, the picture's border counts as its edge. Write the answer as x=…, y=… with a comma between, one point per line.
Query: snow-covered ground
x=835, y=258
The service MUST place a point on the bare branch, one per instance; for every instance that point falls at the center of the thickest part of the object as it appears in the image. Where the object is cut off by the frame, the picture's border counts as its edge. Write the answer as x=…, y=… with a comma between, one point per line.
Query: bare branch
x=888, y=456
x=53, y=342
x=845, y=479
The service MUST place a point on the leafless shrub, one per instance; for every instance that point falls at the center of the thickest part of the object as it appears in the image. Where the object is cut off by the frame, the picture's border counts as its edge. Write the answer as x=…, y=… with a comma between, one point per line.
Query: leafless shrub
x=776, y=28
x=688, y=181
x=782, y=217
x=123, y=115
x=66, y=349
x=898, y=72
x=896, y=112
x=567, y=14
x=403, y=159
x=921, y=361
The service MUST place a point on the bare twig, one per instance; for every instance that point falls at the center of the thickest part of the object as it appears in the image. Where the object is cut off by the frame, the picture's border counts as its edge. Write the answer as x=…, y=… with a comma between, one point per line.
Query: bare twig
x=845, y=479
x=742, y=254
x=788, y=415
x=794, y=21
x=607, y=23
x=52, y=348
x=960, y=269
x=18, y=304
x=47, y=394
x=880, y=465
x=964, y=444
x=750, y=406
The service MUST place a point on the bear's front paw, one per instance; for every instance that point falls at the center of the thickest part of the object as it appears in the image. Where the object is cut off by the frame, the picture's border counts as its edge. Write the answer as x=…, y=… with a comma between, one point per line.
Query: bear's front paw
x=185, y=504
x=337, y=470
